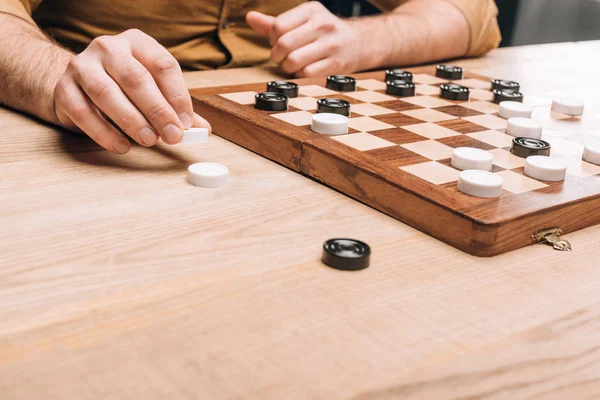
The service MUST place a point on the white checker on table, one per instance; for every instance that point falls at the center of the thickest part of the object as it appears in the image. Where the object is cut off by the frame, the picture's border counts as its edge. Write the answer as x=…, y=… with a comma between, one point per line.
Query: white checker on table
x=240, y=97
x=368, y=96
x=484, y=95
x=429, y=115
x=428, y=79
x=494, y=138
x=474, y=83
x=482, y=107
x=368, y=109
x=426, y=101
x=519, y=183
x=505, y=159
x=430, y=149
x=303, y=103
x=368, y=124
x=510, y=109
x=370, y=84
x=431, y=131
x=487, y=121
x=433, y=172
x=427, y=90
x=208, y=174
x=298, y=118
x=315, y=90
x=363, y=141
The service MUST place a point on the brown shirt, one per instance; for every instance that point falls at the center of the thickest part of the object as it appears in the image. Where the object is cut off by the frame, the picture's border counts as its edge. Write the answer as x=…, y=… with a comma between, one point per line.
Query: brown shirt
x=202, y=34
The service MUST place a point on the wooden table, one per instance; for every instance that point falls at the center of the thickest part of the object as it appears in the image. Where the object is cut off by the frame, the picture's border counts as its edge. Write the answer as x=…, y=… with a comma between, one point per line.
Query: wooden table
x=118, y=280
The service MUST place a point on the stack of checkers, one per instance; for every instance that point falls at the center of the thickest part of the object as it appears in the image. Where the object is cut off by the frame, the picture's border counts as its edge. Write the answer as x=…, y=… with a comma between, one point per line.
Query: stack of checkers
x=476, y=177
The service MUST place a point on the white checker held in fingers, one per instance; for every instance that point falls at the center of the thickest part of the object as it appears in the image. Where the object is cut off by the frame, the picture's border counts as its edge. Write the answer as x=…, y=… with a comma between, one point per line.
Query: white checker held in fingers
x=329, y=124
x=591, y=153
x=207, y=174
x=195, y=135
x=568, y=107
x=545, y=168
x=480, y=183
x=524, y=127
x=464, y=158
x=510, y=109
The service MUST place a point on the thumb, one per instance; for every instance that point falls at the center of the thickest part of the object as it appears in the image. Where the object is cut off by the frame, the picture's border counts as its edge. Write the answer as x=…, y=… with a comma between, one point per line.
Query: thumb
x=260, y=22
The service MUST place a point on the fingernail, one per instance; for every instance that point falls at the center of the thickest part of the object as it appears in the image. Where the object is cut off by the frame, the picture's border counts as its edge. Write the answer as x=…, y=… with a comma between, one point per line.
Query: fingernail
x=121, y=146
x=186, y=120
x=147, y=136
x=172, y=134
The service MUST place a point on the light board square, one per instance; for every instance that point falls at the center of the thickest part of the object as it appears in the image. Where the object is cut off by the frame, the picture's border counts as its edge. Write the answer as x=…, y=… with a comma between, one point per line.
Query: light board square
x=484, y=95
x=482, y=106
x=363, y=141
x=581, y=168
x=474, y=83
x=429, y=115
x=240, y=97
x=428, y=79
x=565, y=148
x=488, y=121
x=534, y=100
x=366, y=124
x=431, y=131
x=430, y=149
x=303, y=103
x=427, y=89
x=519, y=183
x=371, y=84
x=368, y=109
x=368, y=96
x=426, y=101
x=505, y=159
x=315, y=90
x=298, y=118
x=495, y=138
x=433, y=172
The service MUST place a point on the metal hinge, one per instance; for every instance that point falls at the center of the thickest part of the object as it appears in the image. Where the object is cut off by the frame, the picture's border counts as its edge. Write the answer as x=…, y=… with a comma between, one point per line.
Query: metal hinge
x=551, y=237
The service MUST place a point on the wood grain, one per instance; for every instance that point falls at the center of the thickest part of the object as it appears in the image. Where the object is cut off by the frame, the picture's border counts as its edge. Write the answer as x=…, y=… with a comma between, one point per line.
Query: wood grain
x=120, y=281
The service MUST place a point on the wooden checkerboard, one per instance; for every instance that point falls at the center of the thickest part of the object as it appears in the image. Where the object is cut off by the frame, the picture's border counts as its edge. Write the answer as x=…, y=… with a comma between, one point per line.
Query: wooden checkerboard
x=396, y=157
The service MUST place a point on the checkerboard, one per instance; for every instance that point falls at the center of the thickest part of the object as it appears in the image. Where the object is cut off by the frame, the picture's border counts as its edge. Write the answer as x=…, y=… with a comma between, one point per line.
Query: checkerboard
x=396, y=156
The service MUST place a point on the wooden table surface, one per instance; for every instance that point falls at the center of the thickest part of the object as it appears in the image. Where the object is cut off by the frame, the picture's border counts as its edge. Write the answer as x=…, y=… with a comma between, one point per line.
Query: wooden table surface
x=120, y=281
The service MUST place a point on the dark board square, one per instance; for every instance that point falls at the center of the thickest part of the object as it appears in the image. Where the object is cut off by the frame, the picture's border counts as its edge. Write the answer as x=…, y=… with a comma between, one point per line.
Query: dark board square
x=458, y=111
x=397, y=119
x=398, y=105
x=465, y=141
x=398, y=136
x=462, y=126
x=397, y=156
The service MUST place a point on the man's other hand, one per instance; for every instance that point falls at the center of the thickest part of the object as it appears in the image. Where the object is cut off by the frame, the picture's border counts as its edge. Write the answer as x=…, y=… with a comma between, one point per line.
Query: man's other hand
x=131, y=80
x=309, y=40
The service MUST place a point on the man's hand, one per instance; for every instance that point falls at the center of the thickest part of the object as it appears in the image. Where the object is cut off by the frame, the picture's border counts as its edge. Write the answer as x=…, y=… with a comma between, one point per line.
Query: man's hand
x=310, y=41
x=131, y=80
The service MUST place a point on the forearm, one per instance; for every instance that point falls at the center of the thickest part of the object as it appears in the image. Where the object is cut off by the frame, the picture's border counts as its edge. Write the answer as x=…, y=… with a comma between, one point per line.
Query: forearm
x=30, y=66
x=418, y=31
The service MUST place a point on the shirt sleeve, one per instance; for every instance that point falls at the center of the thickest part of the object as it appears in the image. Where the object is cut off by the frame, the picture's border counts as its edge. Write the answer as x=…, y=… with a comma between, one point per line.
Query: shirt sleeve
x=481, y=16
x=20, y=9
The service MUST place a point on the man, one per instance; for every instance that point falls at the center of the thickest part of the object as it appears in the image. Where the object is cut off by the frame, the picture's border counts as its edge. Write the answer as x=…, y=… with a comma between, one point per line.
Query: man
x=79, y=65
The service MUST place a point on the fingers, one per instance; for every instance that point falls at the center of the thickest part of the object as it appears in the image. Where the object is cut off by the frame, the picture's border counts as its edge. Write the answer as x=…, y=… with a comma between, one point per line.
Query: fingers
x=304, y=56
x=139, y=86
x=167, y=74
x=74, y=108
x=320, y=68
x=292, y=19
x=260, y=22
x=200, y=122
x=293, y=40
